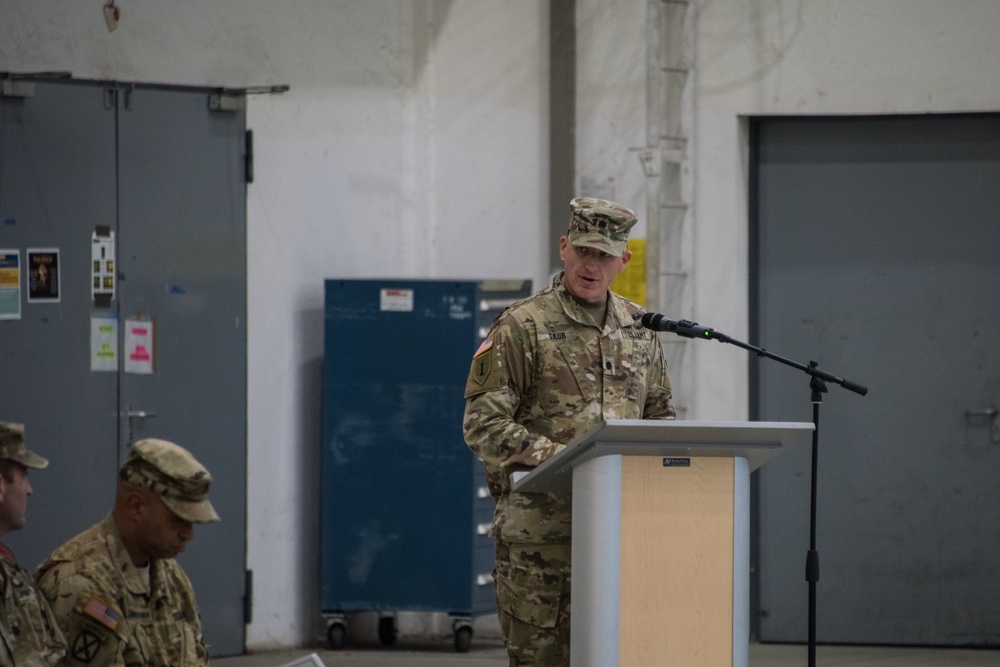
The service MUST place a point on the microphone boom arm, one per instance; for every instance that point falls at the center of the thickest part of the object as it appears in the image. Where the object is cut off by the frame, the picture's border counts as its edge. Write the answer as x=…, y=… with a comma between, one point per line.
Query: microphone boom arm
x=689, y=329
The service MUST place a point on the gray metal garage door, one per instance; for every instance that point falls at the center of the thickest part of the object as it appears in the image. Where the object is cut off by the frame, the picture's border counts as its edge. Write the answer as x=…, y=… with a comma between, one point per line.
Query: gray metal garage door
x=877, y=254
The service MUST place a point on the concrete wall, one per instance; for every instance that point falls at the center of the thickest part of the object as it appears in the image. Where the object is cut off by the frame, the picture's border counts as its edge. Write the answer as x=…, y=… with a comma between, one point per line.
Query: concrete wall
x=413, y=143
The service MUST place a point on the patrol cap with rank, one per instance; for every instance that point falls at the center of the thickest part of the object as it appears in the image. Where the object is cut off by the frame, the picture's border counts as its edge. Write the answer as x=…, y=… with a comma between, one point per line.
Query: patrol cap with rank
x=12, y=446
x=600, y=224
x=174, y=474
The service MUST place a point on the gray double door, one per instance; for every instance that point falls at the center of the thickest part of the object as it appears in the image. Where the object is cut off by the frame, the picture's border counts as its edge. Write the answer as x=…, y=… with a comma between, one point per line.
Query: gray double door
x=878, y=256
x=165, y=173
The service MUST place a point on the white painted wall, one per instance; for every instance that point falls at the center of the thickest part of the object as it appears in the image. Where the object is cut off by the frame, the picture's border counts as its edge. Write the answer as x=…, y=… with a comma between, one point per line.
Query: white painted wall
x=413, y=143
x=421, y=153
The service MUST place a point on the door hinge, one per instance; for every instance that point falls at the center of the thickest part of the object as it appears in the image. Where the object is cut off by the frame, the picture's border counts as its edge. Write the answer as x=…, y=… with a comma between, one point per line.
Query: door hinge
x=9, y=88
x=248, y=157
x=248, y=597
x=227, y=102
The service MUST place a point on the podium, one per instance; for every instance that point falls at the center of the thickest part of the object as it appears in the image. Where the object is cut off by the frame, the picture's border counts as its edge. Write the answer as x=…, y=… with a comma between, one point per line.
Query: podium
x=661, y=537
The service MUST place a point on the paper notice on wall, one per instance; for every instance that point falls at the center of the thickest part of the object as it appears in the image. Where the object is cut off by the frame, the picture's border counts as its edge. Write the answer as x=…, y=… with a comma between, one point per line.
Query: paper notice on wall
x=10, y=284
x=139, y=347
x=102, y=262
x=103, y=344
x=631, y=283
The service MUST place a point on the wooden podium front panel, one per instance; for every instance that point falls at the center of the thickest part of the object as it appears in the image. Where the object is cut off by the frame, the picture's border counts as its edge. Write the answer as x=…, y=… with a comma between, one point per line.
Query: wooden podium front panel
x=676, y=562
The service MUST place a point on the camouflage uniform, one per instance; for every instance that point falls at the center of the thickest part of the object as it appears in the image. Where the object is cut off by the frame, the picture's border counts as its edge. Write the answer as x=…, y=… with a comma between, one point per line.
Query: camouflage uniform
x=29, y=634
x=546, y=374
x=109, y=612
x=111, y=615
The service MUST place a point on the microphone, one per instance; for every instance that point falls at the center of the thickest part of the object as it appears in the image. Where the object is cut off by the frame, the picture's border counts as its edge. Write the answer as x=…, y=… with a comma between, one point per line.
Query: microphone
x=685, y=328
x=689, y=329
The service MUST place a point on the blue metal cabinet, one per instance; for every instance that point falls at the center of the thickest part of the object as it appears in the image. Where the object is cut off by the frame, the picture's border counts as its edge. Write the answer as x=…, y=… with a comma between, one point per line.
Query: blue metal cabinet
x=404, y=501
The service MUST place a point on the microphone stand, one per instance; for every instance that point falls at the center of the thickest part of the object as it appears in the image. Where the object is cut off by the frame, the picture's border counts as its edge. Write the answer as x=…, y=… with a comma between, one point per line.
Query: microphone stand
x=817, y=386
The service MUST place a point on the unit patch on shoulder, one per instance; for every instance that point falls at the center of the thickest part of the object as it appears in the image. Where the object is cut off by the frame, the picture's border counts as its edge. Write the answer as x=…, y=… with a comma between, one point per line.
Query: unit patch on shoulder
x=86, y=645
x=484, y=374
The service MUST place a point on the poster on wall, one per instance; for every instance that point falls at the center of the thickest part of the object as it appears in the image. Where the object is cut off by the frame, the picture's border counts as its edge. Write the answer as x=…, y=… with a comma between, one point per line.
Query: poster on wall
x=103, y=344
x=139, y=347
x=43, y=275
x=10, y=284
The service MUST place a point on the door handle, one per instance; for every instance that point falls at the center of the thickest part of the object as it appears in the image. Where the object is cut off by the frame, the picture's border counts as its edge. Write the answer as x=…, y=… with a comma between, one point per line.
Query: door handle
x=131, y=414
x=990, y=412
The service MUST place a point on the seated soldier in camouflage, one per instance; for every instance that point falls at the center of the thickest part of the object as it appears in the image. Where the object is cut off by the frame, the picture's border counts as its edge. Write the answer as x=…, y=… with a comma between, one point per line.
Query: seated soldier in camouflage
x=29, y=635
x=116, y=590
x=554, y=366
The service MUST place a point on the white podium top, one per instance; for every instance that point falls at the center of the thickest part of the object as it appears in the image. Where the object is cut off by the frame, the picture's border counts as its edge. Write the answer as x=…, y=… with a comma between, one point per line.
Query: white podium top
x=754, y=441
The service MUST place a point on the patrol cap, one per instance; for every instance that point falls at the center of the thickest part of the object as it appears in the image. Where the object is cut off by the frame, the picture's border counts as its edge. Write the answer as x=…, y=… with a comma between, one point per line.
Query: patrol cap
x=600, y=224
x=174, y=474
x=12, y=446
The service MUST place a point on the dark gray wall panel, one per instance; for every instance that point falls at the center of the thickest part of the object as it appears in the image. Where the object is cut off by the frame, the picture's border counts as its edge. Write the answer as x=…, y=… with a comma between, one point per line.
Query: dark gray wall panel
x=878, y=256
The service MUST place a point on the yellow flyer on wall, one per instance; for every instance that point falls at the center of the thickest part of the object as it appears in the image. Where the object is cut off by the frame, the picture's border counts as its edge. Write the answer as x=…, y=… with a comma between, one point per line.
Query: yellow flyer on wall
x=631, y=283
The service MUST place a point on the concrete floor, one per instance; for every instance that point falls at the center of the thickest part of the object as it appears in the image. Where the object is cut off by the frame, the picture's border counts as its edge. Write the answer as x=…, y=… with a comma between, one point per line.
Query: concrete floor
x=489, y=652
x=425, y=640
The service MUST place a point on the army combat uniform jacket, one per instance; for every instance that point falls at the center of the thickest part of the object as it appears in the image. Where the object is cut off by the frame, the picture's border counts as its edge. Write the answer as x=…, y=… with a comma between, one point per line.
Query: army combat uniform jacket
x=29, y=634
x=547, y=374
x=111, y=615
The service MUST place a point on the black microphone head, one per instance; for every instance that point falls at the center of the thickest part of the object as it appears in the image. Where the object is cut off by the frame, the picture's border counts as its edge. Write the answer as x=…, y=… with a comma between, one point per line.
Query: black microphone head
x=650, y=320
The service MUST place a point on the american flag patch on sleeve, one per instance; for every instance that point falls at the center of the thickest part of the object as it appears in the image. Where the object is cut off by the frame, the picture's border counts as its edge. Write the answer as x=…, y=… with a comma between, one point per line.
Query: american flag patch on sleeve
x=102, y=612
x=487, y=344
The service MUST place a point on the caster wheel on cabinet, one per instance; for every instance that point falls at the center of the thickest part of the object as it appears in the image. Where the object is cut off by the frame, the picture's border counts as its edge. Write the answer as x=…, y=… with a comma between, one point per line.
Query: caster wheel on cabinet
x=387, y=630
x=463, y=639
x=335, y=635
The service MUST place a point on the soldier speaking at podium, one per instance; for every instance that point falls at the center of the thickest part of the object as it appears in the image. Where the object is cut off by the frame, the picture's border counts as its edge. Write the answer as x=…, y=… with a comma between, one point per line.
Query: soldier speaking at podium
x=553, y=366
